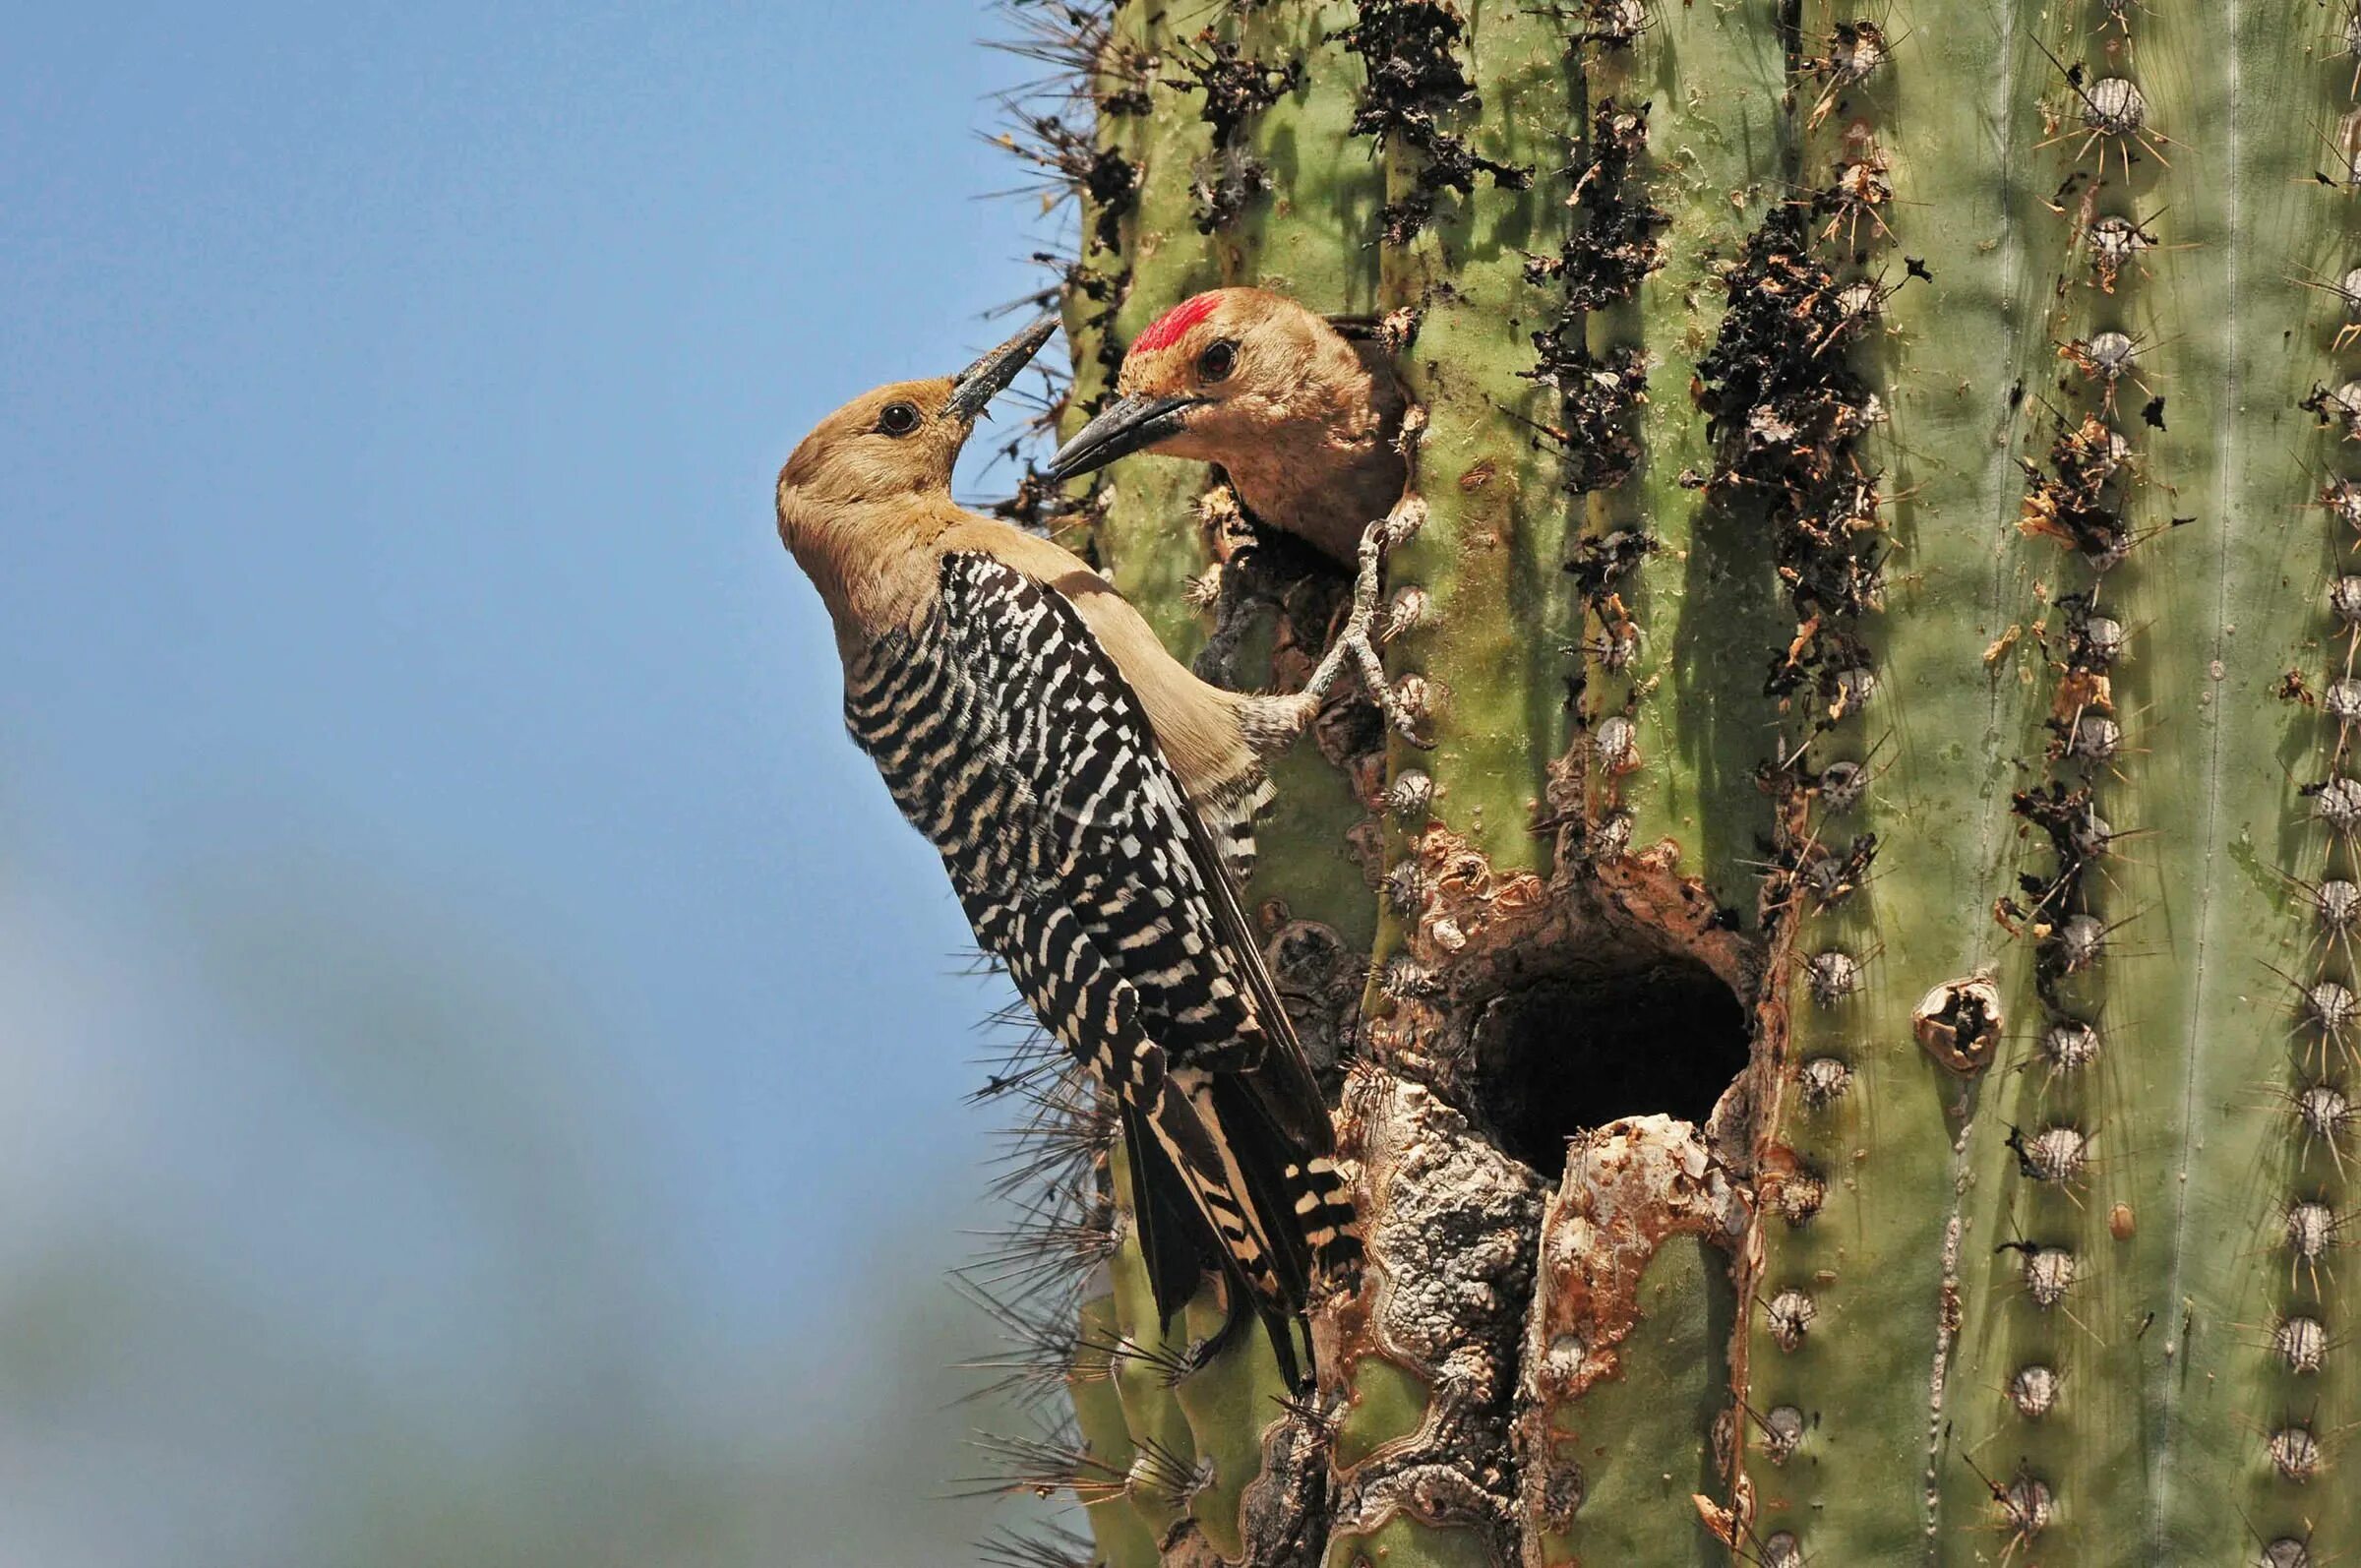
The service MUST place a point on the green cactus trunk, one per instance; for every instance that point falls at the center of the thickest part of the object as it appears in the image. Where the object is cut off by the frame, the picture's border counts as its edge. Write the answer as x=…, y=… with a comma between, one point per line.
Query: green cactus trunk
x=1844, y=1042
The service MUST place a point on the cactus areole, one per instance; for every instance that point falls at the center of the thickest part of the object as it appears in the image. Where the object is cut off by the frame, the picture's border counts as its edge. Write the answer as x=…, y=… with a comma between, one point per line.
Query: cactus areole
x=1845, y=1044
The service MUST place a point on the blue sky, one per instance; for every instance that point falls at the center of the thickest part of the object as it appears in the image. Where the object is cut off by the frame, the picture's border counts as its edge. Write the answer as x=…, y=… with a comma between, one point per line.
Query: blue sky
x=432, y=870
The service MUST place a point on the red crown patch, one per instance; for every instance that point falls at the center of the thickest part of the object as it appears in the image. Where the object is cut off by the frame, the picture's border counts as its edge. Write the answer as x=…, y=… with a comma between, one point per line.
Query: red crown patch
x=1167, y=329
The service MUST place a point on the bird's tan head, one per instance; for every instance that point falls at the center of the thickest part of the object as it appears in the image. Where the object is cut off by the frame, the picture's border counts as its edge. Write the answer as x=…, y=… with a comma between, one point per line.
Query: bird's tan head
x=898, y=442
x=1216, y=374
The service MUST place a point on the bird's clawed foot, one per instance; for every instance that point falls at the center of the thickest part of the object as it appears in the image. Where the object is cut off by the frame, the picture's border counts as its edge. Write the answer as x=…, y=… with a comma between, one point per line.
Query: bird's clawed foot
x=1364, y=628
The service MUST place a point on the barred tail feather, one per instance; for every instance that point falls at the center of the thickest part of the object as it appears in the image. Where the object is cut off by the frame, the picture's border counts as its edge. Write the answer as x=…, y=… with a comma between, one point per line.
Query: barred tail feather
x=1298, y=1196
x=1230, y=812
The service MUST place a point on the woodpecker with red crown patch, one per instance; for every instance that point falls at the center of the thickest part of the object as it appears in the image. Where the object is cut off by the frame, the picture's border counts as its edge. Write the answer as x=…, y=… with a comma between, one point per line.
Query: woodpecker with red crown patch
x=1091, y=800
x=1306, y=422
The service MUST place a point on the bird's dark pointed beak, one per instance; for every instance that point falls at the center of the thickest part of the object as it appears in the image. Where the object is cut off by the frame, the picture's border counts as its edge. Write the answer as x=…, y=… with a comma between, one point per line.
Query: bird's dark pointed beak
x=1122, y=427
x=988, y=376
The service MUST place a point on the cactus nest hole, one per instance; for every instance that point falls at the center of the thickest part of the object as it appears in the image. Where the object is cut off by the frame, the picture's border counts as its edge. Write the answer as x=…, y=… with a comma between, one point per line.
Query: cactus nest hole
x=1572, y=1052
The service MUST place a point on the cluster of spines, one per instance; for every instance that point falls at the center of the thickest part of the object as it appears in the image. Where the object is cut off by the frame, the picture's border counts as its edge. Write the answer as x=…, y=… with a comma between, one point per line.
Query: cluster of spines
x=1789, y=413
x=1590, y=356
x=2306, y=1219
x=2078, y=496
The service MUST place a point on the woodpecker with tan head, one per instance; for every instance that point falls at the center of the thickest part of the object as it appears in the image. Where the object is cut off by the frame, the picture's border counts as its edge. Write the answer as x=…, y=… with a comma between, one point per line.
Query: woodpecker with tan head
x=1091, y=800
x=1306, y=422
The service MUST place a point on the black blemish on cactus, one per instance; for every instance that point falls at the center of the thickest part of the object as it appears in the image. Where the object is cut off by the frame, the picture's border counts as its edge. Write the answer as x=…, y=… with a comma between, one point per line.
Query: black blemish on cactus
x=1414, y=79
x=2072, y=501
x=1236, y=88
x=1596, y=396
x=1785, y=413
x=1235, y=85
x=2336, y=408
x=1108, y=292
x=1609, y=24
x=1616, y=243
x=1602, y=559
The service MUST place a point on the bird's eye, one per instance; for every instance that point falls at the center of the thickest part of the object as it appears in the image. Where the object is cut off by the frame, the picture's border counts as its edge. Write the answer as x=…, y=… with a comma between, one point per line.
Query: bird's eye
x=1218, y=361
x=898, y=419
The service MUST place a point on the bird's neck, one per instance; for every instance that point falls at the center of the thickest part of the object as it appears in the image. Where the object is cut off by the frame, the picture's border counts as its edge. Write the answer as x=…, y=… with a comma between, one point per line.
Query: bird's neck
x=1324, y=482
x=869, y=560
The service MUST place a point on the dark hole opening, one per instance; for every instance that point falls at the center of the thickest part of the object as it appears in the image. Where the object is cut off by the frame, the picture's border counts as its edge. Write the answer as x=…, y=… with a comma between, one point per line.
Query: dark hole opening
x=1581, y=1051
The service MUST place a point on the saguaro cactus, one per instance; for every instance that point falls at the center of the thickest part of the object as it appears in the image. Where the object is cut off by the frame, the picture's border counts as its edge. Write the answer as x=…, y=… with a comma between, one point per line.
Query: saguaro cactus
x=1848, y=1042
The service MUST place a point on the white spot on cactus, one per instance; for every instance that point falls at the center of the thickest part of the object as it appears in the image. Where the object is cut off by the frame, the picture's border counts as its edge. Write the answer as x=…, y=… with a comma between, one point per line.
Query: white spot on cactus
x=1854, y=688
x=1410, y=793
x=2081, y=940
x=1782, y=1550
x=2091, y=834
x=1798, y=1196
x=1822, y=1080
x=1783, y=1434
x=2056, y=1154
x=2344, y=403
x=2114, y=106
x=2048, y=1275
x=1617, y=744
x=1404, y=979
x=2116, y=242
x=2348, y=287
x=1610, y=837
x=2344, y=601
x=2342, y=700
x=2338, y=905
x=1410, y=608
x=1841, y=785
x=2069, y=1047
x=2338, y=807
x=1789, y=1314
x=2095, y=738
x=2026, y=1506
x=2108, y=357
x=2103, y=636
x=1832, y=975
x=2302, y=1343
x=2329, y=1007
x=2033, y=1390
x=2324, y=1111
x=2310, y=1225
x=2342, y=499
x=2295, y=1452
x=1407, y=888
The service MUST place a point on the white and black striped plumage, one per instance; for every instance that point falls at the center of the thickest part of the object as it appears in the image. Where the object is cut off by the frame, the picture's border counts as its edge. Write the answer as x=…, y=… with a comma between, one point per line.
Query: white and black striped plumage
x=1008, y=735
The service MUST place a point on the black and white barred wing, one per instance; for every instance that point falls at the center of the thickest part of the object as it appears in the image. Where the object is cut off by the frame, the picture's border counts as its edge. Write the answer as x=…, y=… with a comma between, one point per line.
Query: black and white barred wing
x=1010, y=737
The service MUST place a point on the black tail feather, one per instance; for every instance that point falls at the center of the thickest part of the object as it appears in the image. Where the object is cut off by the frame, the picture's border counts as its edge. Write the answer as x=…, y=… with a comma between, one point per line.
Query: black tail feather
x=1179, y=1249
x=1171, y=1236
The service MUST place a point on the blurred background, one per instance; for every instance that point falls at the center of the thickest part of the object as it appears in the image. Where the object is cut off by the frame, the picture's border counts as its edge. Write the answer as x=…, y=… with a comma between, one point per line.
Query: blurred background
x=482, y=1065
